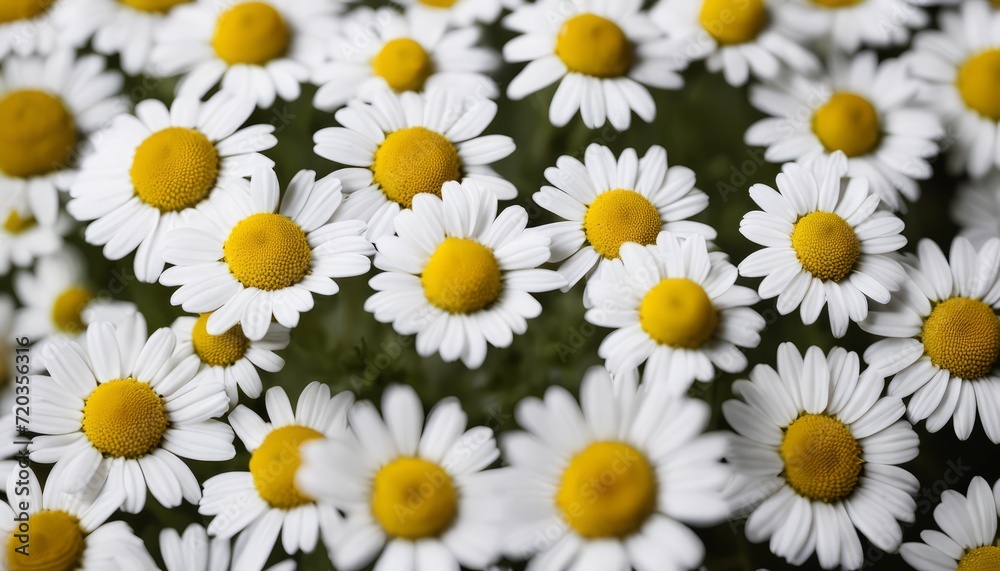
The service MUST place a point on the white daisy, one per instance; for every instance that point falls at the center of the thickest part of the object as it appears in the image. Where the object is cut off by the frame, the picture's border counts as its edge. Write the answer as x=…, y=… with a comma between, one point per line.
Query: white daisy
x=257, y=48
x=266, y=501
x=48, y=106
x=825, y=243
x=383, y=49
x=458, y=275
x=943, y=337
x=22, y=239
x=26, y=27
x=418, y=494
x=850, y=24
x=193, y=551
x=816, y=458
x=968, y=536
x=866, y=110
x=121, y=413
x=149, y=169
x=612, y=482
x=457, y=12
x=246, y=258
x=975, y=209
x=738, y=37
x=600, y=52
x=607, y=202
x=673, y=306
x=399, y=146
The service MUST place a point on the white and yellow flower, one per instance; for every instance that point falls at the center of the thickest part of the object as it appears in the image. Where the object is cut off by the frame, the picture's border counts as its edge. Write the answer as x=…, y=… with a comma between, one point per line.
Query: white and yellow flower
x=245, y=258
x=23, y=239
x=149, y=169
x=194, y=551
x=849, y=24
x=457, y=12
x=26, y=27
x=976, y=209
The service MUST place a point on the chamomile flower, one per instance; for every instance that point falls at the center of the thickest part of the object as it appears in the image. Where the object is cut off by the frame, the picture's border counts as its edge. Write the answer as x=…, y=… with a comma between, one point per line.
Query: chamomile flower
x=607, y=202
x=48, y=106
x=414, y=495
x=399, y=146
x=194, y=551
x=675, y=307
x=384, y=49
x=866, y=110
x=256, y=48
x=149, y=169
x=458, y=275
x=825, y=243
x=601, y=52
x=968, y=536
x=943, y=337
x=457, y=12
x=230, y=358
x=246, y=258
x=266, y=501
x=26, y=27
x=614, y=481
x=22, y=239
x=975, y=209
x=850, y=24
x=816, y=458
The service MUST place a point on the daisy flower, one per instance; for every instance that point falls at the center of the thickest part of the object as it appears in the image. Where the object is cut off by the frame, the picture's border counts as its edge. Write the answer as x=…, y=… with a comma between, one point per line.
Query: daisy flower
x=384, y=49
x=193, y=551
x=675, y=307
x=866, y=110
x=600, y=52
x=246, y=259
x=150, y=168
x=230, y=358
x=968, y=536
x=458, y=275
x=48, y=106
x=738, y=37
x=816, y=458
x=825, y=243
x=615, y=481
x=849, y=24
x=257, y=48
x=120, y=414
x=975, y=209
x=26, y=27
x=266, y=501
x=68, y=532
x=399, y=146
x=418, y=494
x=606, y=202
x=457, y=12
x=943, y=337
x=22, y=239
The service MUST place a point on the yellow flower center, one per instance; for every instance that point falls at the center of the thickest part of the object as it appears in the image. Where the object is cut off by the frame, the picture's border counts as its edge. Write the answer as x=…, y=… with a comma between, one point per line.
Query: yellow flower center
x=55, y=543
x=733, y=21
x=979, y=83
x=462, y=276
x=124, y=418
x=13, y=10
x=608, y=490
x=596, y=46
x=439, y=3
x=962, y=336
x=157, y=6
x=415, y=160
x=218, y=350
x=67, y=310
x=268, y=251
x=414, y=499
x=250, y=33
x=274, y=464
x=986, y=558
x=38, y=135
x=822, y=458
x=404, y=64
x=677, y=312
x=826, y=245
x=619, y=216
x=836, y=3
x=848, y=123
x=15, y=224
x=174, y=169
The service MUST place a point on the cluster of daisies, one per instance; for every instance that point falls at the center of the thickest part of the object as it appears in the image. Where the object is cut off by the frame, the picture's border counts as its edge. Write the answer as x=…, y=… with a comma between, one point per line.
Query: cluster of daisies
x=613, y=478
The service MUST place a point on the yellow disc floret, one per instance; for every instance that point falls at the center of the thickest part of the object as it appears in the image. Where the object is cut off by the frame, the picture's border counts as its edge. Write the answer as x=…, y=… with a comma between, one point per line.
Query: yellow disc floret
x=268, y=251
x=174, y=169
x=822, y=458
x=275, y=462
x=619, y=216
x=124, y=418
x=13, y=10
x=733, y=21
x=826, y=245
x=414, y=499
x=835, y=3
x=677, y=312
x=67, y=310
x=16, y=224
x=415, y=160
x=848, y=123
x=218, y=350
x=595, y=46
x=155, y=6
x=979, y=83
x=462, y=276
x=985, y=558
x=55, y=543
x=608, y=490
x=38, y=134
x=962, y=336
x=404, y=64
x=439, y=3
x=250, y=33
